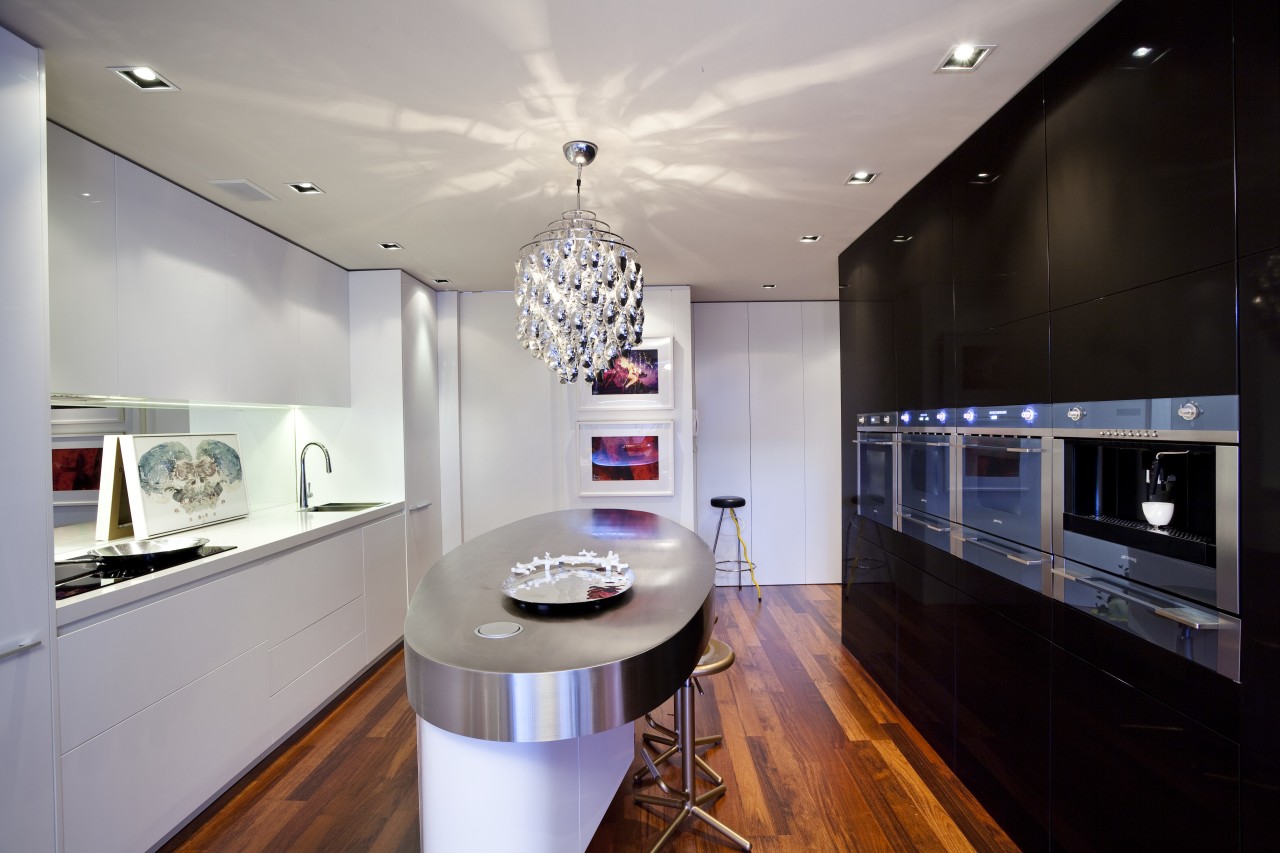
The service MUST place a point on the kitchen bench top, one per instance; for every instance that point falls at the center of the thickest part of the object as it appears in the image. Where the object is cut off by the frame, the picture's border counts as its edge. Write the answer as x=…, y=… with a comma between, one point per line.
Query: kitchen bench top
x=262, y=533
x=561, y=676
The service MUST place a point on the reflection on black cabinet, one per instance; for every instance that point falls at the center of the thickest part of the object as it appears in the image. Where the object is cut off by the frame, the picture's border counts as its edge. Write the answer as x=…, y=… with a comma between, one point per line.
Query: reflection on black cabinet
x=869, y=613
x=1005, y=365
x=926, y=655
x=1257, y=65
x=1139, y=134
x=1130, y=773
x=866, y=357
x=1169, y=338
x=1000, y=234
x=1002, y=720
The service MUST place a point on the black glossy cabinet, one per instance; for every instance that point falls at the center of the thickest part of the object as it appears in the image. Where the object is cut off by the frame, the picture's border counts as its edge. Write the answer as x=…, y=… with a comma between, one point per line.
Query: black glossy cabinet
x=1167, y=339
x=867, y=368
x=1140, y=149
x=911, y=254
x=1002, y=720
x=1260, y=543
x=869, y=610
x=1007, y=365
x=1130, y=773
x=998, y=188
x=1257, y=70
x=926, y=655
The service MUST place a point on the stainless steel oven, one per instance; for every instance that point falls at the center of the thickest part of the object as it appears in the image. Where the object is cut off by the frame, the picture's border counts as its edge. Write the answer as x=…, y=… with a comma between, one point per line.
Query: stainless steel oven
x=877, y=467
x=1006, y=474
x=1145, y=521
x=926, y=502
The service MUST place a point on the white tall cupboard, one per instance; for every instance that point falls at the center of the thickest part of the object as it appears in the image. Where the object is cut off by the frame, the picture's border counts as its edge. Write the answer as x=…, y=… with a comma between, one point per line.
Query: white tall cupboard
x=27, y=746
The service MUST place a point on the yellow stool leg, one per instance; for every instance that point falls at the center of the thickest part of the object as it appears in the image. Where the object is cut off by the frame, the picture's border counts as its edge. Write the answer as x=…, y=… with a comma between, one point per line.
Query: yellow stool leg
x=751, y=567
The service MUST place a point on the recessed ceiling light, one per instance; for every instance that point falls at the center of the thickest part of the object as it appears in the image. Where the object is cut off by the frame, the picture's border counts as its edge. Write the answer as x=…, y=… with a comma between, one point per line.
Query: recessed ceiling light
x=1142, y=51
x=305, y=188
x=861, y=177
x=984, y=178
x=902, y=238
x=391, y=246
x=964, y=57
x=441, y=281
x=243, y=189
x=768, y=286
x=144, y=77
x=810, y=238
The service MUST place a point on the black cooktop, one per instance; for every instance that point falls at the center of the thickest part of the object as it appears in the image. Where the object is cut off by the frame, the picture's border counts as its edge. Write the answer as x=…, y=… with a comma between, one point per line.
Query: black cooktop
x=89, y=573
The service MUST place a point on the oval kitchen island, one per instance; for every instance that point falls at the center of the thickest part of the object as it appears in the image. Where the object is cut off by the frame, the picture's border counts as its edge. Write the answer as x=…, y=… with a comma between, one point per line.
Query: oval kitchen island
x=525, y=711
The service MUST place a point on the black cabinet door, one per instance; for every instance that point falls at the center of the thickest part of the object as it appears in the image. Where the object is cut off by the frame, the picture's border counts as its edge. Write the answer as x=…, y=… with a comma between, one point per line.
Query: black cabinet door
x=1000, y=233
x=1004, y=366
x=867, y=380
x=926, y=655
x=1167, y=339
x=1130, y=773
x=1002, y=720
x=1140, y=149
x=1257, y=67
x=913, y=244
x=1260, y=541
x=869, y=611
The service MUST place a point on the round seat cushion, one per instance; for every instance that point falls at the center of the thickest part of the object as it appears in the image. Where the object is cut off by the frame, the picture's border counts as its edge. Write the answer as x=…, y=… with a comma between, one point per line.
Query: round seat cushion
x=728, y=502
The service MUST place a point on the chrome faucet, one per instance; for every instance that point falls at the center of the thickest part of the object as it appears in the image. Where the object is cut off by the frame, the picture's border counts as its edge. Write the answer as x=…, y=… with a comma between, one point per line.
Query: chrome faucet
x=304, y=491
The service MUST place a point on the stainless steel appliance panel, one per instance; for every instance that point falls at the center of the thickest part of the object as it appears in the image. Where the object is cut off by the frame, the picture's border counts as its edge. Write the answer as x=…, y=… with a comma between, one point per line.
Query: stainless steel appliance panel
x=1005, y=487
x=1024, y=566
x=877, y=467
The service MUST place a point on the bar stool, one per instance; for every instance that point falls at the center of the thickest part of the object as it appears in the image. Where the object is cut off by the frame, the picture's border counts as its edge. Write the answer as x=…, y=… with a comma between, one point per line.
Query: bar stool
x=717, y=658
x=731, y=503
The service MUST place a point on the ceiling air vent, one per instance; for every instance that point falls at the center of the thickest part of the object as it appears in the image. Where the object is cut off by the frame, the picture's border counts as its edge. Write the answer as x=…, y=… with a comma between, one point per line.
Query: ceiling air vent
x=244, y=190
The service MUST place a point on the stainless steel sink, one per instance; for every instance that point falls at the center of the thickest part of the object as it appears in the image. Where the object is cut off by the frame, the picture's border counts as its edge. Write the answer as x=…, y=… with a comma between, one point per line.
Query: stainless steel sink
x=342, y=506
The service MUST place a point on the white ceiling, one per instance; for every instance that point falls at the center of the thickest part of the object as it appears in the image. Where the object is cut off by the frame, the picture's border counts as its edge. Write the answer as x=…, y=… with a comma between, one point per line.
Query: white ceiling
x=726, y=127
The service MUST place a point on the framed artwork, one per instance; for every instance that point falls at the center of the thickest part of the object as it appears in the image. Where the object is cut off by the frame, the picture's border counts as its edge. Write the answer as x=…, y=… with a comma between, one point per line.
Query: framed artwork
x=625, y=459
x=641, y=378
x=176, y=482
x=77, y=470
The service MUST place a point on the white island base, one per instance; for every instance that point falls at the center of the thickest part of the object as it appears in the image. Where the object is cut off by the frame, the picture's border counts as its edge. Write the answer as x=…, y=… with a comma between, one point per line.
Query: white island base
x=495, y=796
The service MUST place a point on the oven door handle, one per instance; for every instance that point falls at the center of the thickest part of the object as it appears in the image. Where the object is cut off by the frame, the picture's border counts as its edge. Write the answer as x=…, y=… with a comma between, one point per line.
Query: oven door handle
x=1024, y=449
x=1188, y=616
x=934, y=528
x=984, y=544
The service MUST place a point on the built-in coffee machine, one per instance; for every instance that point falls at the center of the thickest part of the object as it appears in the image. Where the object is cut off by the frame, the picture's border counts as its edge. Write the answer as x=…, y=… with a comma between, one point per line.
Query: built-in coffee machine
x=1145, y=522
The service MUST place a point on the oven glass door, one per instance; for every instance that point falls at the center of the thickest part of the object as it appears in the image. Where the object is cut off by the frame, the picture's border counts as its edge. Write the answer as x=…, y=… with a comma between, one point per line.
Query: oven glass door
x=1001, y=483
x=875, y=477
x=925, y=462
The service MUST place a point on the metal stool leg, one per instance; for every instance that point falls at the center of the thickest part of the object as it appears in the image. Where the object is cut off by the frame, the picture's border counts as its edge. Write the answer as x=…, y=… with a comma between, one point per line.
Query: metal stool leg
x=687, y=800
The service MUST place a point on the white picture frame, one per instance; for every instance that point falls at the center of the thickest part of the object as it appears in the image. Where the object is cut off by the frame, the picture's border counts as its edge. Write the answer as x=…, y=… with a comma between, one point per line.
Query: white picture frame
x=178, y=482
x=626, y=459
x=642, y=378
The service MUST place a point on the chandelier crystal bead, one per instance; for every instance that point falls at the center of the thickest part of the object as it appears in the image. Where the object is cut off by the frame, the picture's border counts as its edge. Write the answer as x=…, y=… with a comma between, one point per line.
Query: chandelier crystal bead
x=579, y=289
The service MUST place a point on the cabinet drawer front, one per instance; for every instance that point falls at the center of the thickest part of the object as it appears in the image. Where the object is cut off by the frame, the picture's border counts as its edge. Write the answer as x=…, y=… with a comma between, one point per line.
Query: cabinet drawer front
x=115, y=668
x=314, y=688
x=308, y=584
x=313, y=644
x=128, y=787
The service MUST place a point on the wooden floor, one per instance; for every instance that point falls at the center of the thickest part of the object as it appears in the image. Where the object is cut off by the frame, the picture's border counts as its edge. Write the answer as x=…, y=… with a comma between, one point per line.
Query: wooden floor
x=815, y=757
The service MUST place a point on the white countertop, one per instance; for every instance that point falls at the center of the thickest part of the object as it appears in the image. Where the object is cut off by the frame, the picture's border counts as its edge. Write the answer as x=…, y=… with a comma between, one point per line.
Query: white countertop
x=260, y=534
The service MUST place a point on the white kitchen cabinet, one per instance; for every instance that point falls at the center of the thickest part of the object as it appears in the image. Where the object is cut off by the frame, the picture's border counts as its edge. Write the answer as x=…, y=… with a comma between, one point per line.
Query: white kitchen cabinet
x=28, y=756
x=324, y=336
x=115, y=668
x=315, y=687
x=82, y=265
x=308, y=584
x=385, y=605
x=290, y=660
x=171, y=262
x=130, y=786
x=263, y=275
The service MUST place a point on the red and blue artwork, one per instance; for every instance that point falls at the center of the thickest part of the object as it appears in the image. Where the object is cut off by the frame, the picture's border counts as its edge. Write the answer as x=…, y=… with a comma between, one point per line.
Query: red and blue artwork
x=624, y=457
x=631, y=373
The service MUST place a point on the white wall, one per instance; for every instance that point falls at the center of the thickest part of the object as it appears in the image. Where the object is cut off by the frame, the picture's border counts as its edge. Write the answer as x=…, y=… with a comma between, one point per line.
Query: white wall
x=767, y=394
x=421, y=429
x=266, y=444
x=517, y=425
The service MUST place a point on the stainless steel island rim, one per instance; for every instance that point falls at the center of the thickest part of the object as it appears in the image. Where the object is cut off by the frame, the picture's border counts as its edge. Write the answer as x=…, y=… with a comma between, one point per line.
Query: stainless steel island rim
x=562, y=676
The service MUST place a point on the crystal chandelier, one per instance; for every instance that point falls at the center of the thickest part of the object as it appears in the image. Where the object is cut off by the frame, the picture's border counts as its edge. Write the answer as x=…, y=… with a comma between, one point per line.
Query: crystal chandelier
x=579, y=289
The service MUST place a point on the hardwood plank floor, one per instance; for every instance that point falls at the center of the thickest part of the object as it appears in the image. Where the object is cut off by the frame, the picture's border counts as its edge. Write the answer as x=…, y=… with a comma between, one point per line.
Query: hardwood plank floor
x=815, y=756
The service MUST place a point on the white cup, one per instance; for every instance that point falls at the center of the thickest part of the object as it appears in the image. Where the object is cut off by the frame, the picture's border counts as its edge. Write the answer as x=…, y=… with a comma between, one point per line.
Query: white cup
x=1158, y=513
